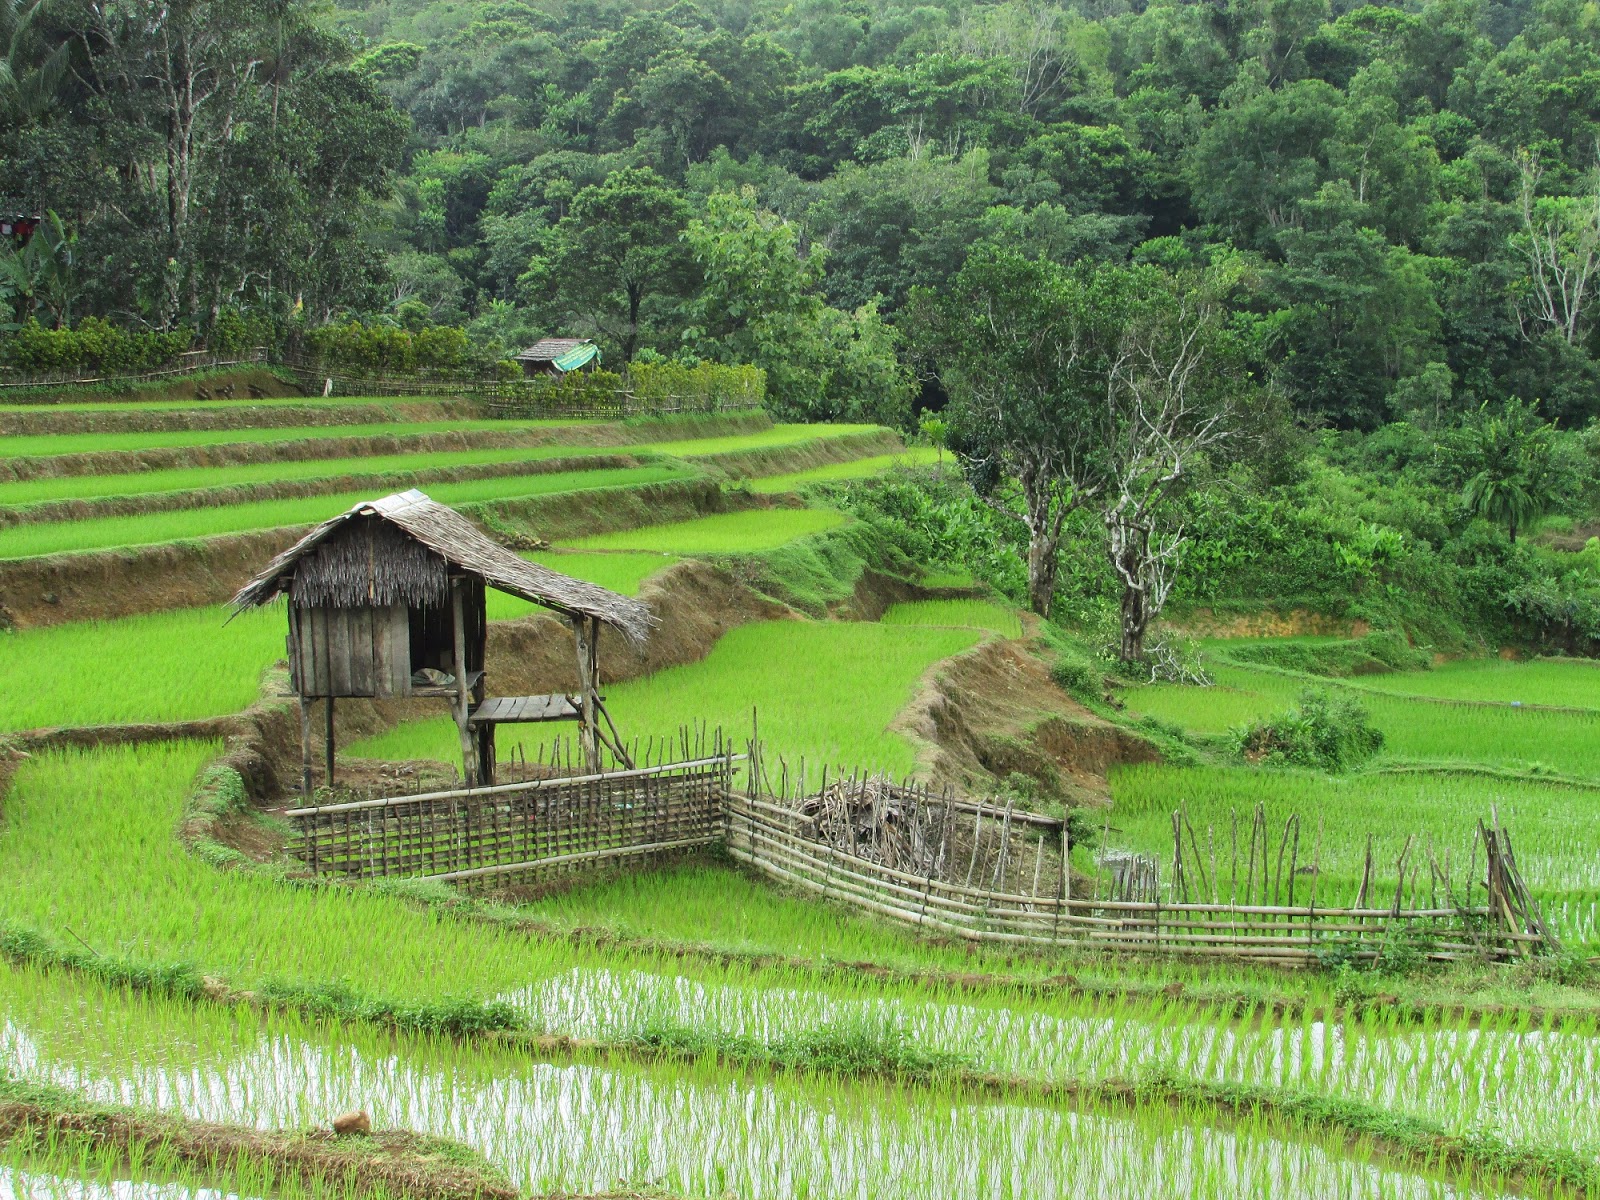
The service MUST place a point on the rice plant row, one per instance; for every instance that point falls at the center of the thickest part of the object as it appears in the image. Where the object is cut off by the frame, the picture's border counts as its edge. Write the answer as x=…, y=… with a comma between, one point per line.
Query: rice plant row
x=694, y=1129
x=1413, y=728
x=860, y=468
x=747, y=532
x=104, y=533
x=50, y=444
x=825, y=692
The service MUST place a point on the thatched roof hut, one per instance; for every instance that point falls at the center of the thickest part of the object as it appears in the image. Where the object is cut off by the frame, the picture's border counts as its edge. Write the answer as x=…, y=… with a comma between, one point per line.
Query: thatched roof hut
x=403, y=548
x=387, y=600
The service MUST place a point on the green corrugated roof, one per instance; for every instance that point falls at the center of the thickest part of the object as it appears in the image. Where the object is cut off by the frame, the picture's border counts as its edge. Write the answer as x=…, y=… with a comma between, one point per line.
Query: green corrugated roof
x=577, y=357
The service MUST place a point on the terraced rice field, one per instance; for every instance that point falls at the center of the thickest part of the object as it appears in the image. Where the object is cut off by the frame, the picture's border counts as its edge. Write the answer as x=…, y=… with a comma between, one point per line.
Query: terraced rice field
x=723, y=533
x=860, y=468
x=768, y=1006
x=107, y=533
x=826, y=692
x=55, y=444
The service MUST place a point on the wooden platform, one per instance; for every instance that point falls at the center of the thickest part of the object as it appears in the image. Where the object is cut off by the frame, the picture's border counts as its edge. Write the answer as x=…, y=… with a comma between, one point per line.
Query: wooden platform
x=522, y=710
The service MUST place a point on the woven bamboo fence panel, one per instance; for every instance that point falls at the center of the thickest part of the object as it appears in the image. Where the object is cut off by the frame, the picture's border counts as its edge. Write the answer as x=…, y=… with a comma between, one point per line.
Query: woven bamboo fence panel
x=781, y=843
x=522, y=832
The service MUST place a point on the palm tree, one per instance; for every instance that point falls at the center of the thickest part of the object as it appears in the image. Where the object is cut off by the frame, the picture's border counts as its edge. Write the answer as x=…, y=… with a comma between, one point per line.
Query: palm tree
x=28, y=81
x=1518, y=477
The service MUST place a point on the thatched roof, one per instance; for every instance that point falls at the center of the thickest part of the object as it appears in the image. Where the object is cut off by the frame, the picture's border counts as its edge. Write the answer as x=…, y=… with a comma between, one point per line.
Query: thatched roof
x=401, y=549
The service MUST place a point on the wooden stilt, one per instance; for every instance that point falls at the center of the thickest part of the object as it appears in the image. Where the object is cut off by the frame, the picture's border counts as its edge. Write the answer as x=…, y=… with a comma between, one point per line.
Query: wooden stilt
x=589, y=728
x=329, y=703
x=305, y=748
x=458, y=631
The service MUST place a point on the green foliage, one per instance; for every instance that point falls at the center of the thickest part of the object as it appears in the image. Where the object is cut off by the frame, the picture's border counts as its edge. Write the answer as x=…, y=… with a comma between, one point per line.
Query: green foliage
x=1376, y=652
x=93, y=345
x=376, y=350
x=1332, y=732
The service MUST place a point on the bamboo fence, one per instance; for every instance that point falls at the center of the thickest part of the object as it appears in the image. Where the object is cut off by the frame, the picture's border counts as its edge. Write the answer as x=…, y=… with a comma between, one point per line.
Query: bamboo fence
x=953, y=867
x=519, y=832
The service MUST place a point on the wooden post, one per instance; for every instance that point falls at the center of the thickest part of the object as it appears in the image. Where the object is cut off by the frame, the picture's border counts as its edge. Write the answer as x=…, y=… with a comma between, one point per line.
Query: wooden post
x=329, y=703
x=588, y=730
x=458, y=631
x=305, y=748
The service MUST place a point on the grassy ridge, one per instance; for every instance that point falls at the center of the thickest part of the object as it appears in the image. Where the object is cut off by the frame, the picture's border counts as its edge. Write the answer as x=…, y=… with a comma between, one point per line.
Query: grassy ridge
x=860, y=468
x=723, y=533
x=141, y=483
x=823, y=691
x=40, y=445
x=104, y=533
x=1413, y=728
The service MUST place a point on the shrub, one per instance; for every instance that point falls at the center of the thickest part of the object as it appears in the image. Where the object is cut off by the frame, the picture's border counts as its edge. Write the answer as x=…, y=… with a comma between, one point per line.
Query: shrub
x=1330, y=732
x=703, y=386
x=95, y=345
x=388, y=350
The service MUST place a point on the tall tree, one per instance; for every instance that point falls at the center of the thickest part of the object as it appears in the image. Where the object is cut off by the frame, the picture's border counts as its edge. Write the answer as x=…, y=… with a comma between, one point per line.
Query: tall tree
x=619, y=249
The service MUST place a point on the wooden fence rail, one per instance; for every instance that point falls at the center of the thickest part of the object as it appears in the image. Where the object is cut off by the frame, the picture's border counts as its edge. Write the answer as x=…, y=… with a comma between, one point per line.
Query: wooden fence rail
x=520, y=832
x=899, y=852
x=775, y=841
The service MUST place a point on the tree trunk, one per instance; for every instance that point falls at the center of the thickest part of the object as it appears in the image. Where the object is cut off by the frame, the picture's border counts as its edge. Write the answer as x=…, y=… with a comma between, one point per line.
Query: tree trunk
x=1042, y=552
x=1135, y=620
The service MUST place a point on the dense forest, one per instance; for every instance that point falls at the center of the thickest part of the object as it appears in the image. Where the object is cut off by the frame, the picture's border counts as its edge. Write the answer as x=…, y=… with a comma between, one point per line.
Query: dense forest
x=1382, y=223
x=1406, y=194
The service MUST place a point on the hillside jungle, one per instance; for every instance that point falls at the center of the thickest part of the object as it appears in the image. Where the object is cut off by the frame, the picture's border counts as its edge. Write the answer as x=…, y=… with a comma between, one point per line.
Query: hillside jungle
x=1166, y=423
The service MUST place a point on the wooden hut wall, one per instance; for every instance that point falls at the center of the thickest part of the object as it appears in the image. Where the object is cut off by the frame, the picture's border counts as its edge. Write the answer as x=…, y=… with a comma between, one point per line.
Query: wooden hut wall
x=362, y=651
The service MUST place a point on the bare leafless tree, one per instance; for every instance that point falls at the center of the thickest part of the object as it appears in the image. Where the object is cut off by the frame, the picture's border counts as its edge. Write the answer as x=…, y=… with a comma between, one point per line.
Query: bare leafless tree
x=1561, y=240
x=1163, y=415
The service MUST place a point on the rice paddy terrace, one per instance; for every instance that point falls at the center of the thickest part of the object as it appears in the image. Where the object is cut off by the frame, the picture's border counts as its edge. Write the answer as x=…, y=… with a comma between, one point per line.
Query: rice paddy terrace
x=178, y=1011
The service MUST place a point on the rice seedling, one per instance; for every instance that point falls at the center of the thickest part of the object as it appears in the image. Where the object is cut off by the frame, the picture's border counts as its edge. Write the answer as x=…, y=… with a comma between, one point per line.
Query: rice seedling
x=746, y=532
x=695, y=1128
x=860, y=468
x=169, y=666
x=825, y=692
x=48, y=444
x=110, y=813
x=1414, y=727
x=777, y=435
x=1570, y=683
x=25, y=541
x=1554, y=826
x=971, y=614
x=141, y=483
x=943, y=578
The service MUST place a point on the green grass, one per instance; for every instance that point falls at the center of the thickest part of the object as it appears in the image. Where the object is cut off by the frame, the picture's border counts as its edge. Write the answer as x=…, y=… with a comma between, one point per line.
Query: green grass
x=49, y=444
x=777, y=435
x=695, y=1127
x=824, y=691
x=1413, y=728
x=169, y=666
x=859, y=468
x=1573, y=683
x=134, y=405
x=1555, y=827
x=724, y=533
x=101, y=533
x=948, y=578
x=89, y=487
x=972, y=614
x=621, y=571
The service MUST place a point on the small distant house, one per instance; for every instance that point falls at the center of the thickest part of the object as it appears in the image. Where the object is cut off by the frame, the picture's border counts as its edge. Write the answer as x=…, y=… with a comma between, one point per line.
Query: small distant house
x=387, y=600
x=558, y=356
